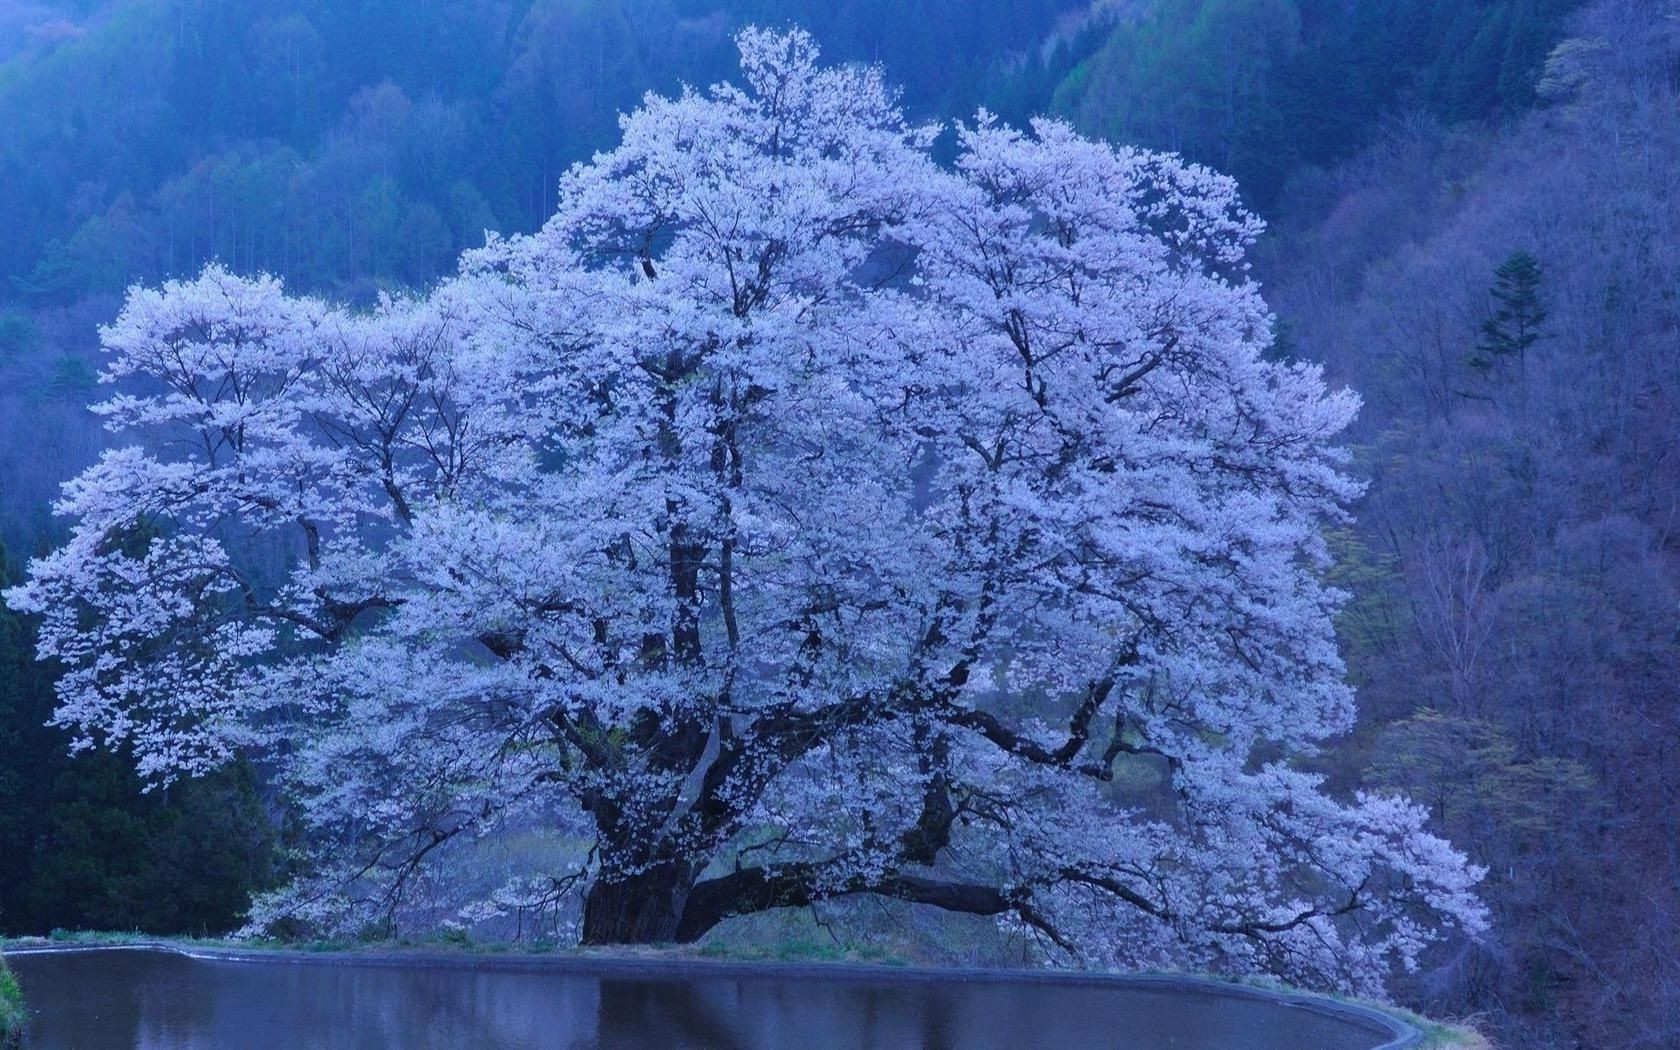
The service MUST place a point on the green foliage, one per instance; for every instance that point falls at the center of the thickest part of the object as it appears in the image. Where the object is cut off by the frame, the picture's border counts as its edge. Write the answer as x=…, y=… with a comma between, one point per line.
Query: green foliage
x=1519, y=318
x=182, y=861
x=798, y=949
x=1492, y=798
x=1260, y=88
x=1369, y=617
x=351, y=147
x=1199, y=77
x=72, y=378
x=1437, y=1036
x=11, y=1006
x=17, y=333
x=82, y=846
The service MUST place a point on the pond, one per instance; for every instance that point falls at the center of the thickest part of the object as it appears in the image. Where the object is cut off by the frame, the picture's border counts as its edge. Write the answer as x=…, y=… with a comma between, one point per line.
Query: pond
x=163, y=1000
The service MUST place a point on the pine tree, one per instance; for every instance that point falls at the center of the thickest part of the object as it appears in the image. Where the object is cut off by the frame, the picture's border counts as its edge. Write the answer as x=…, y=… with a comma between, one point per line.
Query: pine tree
x=1517, y=321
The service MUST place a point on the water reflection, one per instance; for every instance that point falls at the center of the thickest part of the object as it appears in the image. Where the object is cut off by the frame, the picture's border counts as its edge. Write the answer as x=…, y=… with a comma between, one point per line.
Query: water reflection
x=159, y=1001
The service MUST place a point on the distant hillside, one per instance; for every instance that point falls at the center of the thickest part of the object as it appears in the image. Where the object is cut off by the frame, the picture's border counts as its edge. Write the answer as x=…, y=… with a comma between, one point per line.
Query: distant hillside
x=345, y=144
x=1261, y=88
x=345, y=147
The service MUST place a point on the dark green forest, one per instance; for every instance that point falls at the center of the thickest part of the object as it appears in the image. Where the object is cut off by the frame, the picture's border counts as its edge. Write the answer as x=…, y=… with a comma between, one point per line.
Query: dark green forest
x=1473, y=223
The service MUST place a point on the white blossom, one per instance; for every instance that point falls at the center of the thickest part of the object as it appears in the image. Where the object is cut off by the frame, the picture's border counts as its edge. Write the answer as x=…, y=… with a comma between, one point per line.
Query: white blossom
x=792, y=517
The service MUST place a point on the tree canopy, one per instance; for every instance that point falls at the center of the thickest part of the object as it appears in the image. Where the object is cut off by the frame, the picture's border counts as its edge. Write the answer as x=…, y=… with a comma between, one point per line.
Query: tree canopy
x=790, y=518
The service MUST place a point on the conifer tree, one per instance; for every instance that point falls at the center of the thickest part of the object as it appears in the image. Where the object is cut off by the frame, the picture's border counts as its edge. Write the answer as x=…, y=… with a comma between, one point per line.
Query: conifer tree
x=1519, y=317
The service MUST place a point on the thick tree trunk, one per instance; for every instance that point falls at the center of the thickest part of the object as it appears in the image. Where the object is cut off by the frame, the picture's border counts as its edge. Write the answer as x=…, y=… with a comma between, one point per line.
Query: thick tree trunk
x=639, y=909
x=666, y=904
x=751, y=890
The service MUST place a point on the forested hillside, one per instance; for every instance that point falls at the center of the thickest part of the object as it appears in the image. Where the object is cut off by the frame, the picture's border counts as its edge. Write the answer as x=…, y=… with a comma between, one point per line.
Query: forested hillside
x=1264, y=88
x=1473, y=220
x=1505, y=302
x=348, y=147
x=345, y=145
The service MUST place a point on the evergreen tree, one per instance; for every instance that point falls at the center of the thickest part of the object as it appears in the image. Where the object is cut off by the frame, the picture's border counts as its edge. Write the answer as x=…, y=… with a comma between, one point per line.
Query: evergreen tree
x=1518, y=319
x=81, y=846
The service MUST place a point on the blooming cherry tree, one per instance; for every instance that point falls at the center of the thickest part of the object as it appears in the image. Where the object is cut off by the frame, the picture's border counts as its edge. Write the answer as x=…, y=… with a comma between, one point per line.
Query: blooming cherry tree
x=790, y=518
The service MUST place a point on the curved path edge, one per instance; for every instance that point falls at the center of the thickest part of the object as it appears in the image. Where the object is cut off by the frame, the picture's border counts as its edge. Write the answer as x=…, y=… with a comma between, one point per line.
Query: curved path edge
x=1401, y=1035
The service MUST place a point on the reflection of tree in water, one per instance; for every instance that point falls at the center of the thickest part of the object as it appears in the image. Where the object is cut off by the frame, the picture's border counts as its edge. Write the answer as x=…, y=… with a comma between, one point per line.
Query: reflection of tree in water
x=252, y=1005
x=811, y=1013
x=669, y=1013
x=447, y=1006
x=153, y=1001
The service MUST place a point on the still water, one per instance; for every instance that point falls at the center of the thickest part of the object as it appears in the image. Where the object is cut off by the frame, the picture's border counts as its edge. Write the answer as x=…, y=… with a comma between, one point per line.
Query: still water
x=154, y=1000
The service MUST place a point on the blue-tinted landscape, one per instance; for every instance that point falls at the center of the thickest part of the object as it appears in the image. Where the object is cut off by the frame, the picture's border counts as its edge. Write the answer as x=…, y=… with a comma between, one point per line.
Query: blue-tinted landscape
x=1134, y=485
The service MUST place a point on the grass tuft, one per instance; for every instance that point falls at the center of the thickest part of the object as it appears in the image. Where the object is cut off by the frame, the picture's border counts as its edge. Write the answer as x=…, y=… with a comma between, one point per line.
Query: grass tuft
x=11, y=1007
x=1461, y=1035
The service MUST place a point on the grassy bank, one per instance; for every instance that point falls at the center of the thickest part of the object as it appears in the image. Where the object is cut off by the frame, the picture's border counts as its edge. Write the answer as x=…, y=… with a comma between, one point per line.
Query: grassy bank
x=11, y=1007
x=1445, y=1036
